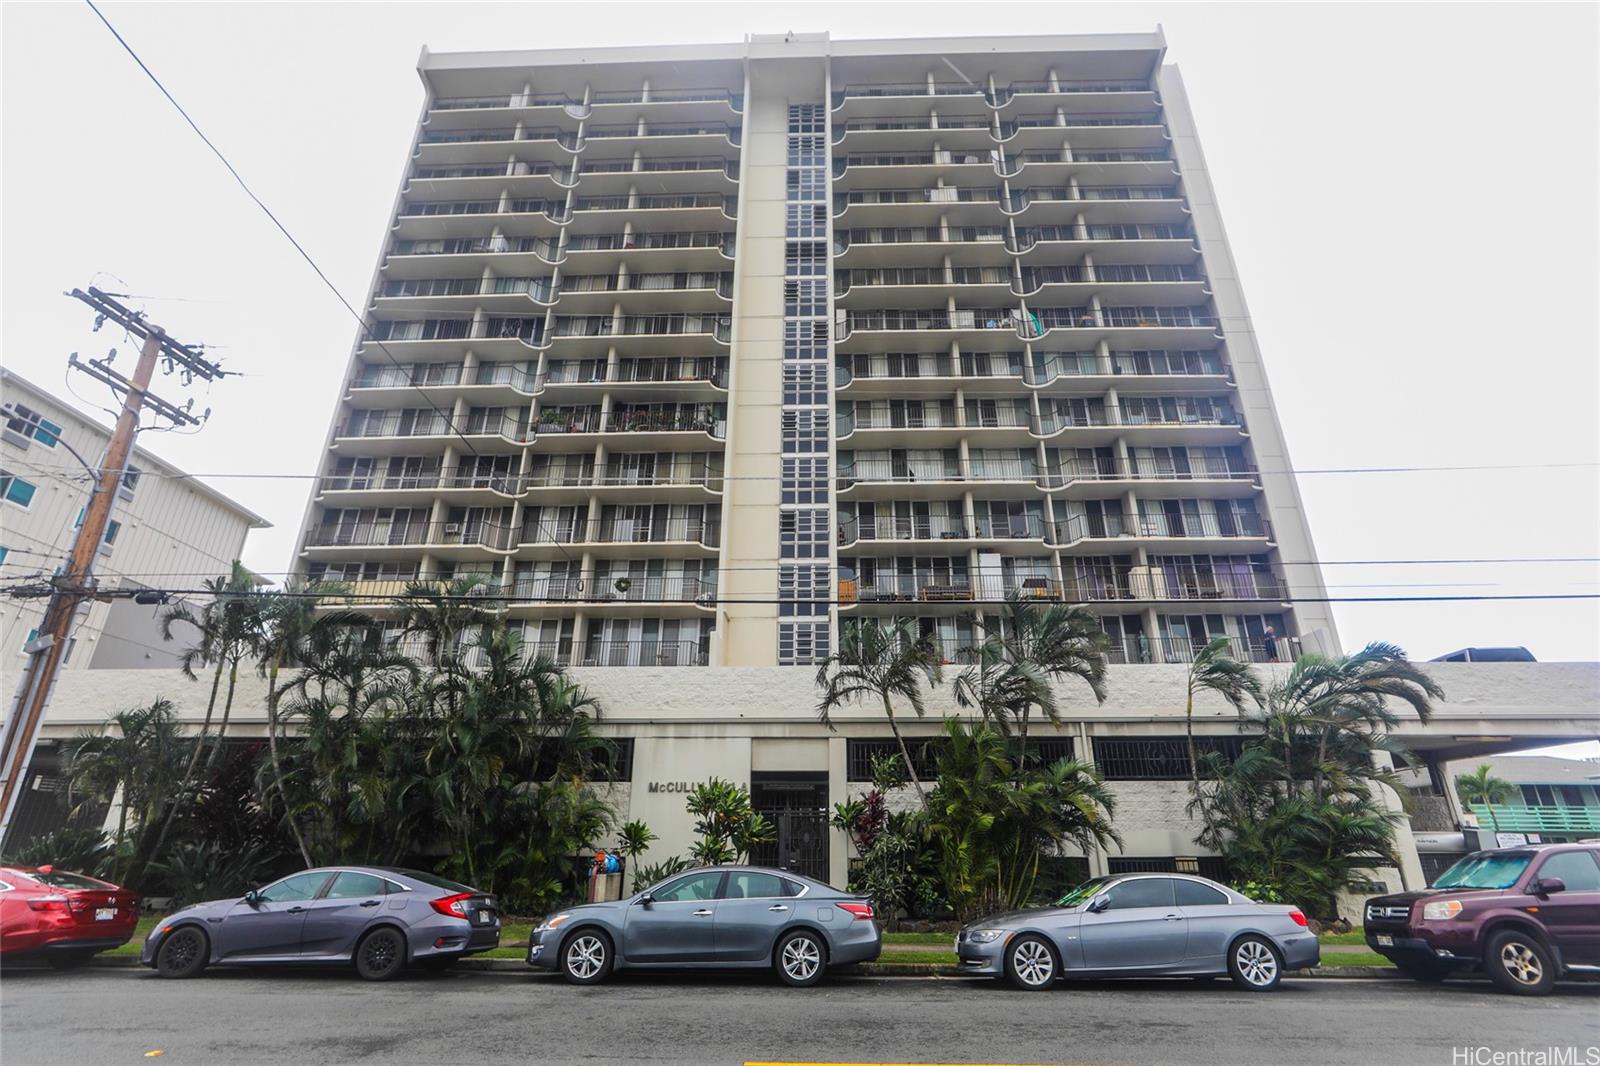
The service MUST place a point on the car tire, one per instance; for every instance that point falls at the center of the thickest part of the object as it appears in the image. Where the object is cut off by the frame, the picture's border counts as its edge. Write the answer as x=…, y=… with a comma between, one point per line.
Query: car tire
x=1517, y=962
x=1032, y=963
x=800, y=958
x=587, y=957
x=1255, y=964
x=184, y=952
x=68, y=960
x=381, y=954
x=1423, y=971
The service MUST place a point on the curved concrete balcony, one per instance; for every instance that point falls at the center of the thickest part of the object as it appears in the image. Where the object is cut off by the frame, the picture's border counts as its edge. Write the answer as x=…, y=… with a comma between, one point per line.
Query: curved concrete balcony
x=1085, y=132
x=911, y=287
x=1126, y=327
x=489, y=144
x=368, y=432
x=650, y=251
x=889, y=99
x=535, y=109
x=1141, y=427
x=520, y=177
x=863, y=170
x=920, y=246
x=1163, y=533
x=574, y=336
x=1108, y=243
x=1092, y=166
x=1114, y=282
x=641, y=653
x=681, y=292
x=463, y=256
x=1194, y=476
x=439, y=339
x=686, y=378
x=655, y=427
x=662, y=176
x=1087, y=96
x=902, y=132
x=1047, y=204
x=616, y=106
x=979, y=329
x=1167, y=585
x=433, y=219
x=954, y=205
x=1175, y=371
x=677, y=212
x=461, y=296
x=671, y=538
x=618, y=595
x=667, y=138
x=453, y=540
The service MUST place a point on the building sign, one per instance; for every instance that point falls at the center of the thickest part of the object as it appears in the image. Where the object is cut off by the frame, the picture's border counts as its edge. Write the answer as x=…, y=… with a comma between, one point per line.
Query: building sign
x=671, y=786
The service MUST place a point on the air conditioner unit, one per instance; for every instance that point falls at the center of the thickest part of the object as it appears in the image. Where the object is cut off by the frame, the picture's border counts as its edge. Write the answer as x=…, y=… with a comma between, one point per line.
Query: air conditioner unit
x=452, y=527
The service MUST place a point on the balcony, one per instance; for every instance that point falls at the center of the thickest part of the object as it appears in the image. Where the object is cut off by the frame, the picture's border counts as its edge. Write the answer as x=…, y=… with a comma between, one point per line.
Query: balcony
x=692, y=251
x=679, y=292
x=642, y=653
x=903, y=246
x=675, y=138
x=432, y=536
x=1139, y=648
x=461, y=294
x=1167, y=420
x=1183, y=370
x=491, y=178
x=853, y=530
x=1517, y=818
x=653, y=591
x=1177, y=585
x=490, y=144
x=464, y=255
x=683, y=334
x=662, y=104
x=688, y=174
x=668, y=537
x=471, y=218
x=497, y=336
x=683, y=378
x=678, y=211
x=1226, y=528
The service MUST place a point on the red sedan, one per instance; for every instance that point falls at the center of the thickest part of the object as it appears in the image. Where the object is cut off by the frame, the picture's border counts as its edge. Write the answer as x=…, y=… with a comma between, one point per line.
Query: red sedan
x=62, y=917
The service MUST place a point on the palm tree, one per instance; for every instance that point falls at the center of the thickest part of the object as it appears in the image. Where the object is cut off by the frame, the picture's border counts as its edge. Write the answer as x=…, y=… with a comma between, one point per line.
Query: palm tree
x=283, y=622
x=1029, y=651
x=633, y=840
x=885, y=662
x=442, y=611
x=1481, y=787
x=1214, y=669
x=140, y=752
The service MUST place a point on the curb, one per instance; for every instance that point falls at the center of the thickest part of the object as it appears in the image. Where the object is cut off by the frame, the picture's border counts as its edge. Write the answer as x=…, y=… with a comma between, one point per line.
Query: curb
x=865, y=969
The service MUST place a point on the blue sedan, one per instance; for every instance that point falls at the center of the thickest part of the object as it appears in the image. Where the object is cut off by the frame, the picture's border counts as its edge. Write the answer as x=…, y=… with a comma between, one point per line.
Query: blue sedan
x=375, y=919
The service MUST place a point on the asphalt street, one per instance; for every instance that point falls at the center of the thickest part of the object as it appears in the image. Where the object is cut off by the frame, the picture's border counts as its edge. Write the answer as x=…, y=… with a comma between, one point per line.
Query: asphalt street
x=222, y=1018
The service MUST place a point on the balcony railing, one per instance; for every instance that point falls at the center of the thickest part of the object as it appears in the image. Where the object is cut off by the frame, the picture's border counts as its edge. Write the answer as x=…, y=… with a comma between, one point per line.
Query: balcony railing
x=681, y=129
x=706, y=531
x=465, y=103
x=712, y=370
x=1242, y=525
x=931, y=416
x=403, y=534
x=728, y=205
x=629, y=477
x=1028, y=236
x=1515, y=818
x=660, y=588
x=555, y=209
x=669, y=96
x=869, y=235
x=546, y=248
x=567, y=139
x=1160, y=649
x=374, y=376
x=540, y=290
x=936, y=527
x=657, y=166
x=516, y=168
x=719, y=327
x=393, y=424
x=646, y=241
x=1184, y=585
x=642, y=653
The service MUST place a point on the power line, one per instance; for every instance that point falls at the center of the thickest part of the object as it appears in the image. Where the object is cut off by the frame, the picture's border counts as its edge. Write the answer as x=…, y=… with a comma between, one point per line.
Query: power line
x=365, y=329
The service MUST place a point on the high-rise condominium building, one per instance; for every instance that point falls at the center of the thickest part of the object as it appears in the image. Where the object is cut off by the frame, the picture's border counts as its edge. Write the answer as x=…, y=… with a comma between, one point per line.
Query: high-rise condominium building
x=699, y=354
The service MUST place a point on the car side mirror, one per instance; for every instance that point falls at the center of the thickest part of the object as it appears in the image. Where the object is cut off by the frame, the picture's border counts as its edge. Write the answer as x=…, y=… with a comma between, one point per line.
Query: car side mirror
x=1098, y=904
x=646, y=898
x=1546, y=885
x=252, y=897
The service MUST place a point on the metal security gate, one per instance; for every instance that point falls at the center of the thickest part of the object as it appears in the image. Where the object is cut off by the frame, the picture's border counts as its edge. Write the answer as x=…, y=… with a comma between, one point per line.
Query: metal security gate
x=796, y=804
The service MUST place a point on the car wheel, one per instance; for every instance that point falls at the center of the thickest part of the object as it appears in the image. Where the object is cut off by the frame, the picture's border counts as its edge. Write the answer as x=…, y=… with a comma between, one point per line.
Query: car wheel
x=1031, y=963
x=1428, y=973
x=381, y=954
x=68, y=960
x=800, y=959
x=586, y=957
x=184, y=953
x=1254, y=964
x=1518, y=963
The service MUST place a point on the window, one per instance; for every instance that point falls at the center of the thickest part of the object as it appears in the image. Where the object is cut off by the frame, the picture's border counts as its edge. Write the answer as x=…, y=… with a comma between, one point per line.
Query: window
x=29, y=423
x=15, y=490
x=352, y=885
x=291, y=889
x=803, y=533
x=130, y=479
x=1489, y=870
x=1156, y=758
x=1141, y=892
x=690, y=889
x=743, y=885
x=3, y=551
x=1194, y=894
x=802, y=643
x=860, y=755
x=113, y=527
x=1577, y=868
x=61, y=879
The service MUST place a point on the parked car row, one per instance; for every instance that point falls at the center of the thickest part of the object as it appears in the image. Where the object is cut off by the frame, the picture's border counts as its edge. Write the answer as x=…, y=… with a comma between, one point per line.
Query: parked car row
x=1526, y=916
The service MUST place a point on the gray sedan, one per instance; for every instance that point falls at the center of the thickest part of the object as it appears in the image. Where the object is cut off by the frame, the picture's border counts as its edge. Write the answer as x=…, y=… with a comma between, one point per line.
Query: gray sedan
x=376, y=919
x=732, y=916
x=1142, y=925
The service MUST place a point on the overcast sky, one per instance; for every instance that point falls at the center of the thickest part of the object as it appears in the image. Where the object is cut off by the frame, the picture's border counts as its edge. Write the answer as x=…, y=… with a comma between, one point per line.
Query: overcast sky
x=1409, y=192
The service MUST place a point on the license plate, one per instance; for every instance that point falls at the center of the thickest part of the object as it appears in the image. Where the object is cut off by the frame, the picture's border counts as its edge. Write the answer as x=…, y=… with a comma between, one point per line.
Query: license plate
x=1386, y=941
x=485, y=917
x=105, y=914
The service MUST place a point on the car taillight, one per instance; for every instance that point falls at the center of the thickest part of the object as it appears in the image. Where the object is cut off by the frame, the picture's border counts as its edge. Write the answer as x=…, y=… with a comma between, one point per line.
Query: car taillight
x=452, y=906
x=48, y=903
x=1297, y=918
x=862, y=911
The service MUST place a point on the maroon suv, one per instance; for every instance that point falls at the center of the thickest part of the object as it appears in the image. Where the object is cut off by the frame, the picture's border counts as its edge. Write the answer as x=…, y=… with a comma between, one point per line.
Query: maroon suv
x=1525, y=916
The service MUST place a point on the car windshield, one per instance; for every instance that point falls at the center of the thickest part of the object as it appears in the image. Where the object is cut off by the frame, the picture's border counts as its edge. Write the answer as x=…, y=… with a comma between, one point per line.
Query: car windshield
x=1486, y=870
x=1083, y=892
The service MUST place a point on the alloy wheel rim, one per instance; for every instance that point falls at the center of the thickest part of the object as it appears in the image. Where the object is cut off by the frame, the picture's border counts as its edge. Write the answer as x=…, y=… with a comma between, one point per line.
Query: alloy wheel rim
x=586, y=956
x=1521, y=963
x=1257, y=962
x=380, y=953
x=1033, y=962
x=183, y=949
x=801, y=957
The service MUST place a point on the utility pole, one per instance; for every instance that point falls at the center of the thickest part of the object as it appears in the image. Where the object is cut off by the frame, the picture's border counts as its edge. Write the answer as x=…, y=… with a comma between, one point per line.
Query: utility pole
x=75, y=585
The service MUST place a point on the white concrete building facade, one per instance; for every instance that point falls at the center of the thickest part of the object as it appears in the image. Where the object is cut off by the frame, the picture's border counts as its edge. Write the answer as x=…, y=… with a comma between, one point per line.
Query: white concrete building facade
x=167, y=530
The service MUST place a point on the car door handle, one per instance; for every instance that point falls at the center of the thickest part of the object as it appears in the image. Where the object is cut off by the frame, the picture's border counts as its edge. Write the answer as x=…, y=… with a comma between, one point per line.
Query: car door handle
x=777, y=907
x=295, y=910
x=370, y=902
x=702, y=914
x=1173, y=918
